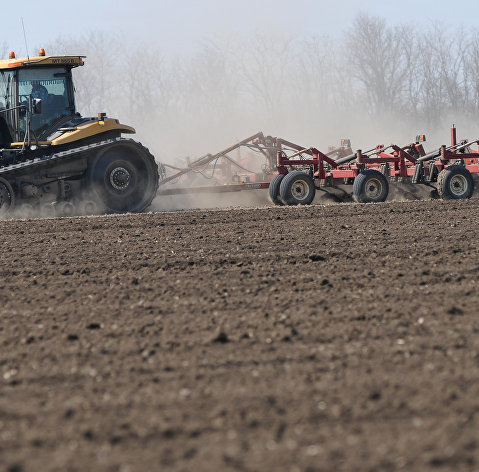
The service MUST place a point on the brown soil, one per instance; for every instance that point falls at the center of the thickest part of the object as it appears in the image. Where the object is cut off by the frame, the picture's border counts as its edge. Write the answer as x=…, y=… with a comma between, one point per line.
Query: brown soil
x=341, y=337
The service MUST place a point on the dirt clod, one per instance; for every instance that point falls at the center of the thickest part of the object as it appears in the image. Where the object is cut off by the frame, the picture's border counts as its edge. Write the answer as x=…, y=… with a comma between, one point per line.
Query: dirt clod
x=221, y=338
x=94, y=326
x=455, y=311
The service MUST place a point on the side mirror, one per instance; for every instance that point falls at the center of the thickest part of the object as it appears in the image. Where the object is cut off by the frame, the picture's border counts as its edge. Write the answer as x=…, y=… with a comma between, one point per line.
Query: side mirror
x=37, y=106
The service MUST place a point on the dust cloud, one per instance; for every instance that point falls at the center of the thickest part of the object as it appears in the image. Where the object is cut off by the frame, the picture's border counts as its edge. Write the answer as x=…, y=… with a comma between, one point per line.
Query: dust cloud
x=311, y=90
x=246, y=199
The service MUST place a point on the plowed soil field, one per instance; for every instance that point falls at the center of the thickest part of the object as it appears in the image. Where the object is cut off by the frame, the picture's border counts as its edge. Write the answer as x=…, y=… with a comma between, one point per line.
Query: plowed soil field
x=321, y=338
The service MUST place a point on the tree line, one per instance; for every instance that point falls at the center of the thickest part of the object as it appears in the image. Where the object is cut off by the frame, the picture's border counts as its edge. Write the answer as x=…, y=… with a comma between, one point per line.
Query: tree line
x=373, y=78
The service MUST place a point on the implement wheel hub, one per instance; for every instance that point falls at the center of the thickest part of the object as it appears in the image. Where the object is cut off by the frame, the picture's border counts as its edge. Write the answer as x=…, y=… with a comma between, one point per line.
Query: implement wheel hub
x=458, y=184
x=373, y=188
x=300, y=190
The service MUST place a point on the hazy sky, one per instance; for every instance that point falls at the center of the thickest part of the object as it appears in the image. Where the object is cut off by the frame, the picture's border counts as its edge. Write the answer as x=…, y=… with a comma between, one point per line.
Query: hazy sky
x=178, y=25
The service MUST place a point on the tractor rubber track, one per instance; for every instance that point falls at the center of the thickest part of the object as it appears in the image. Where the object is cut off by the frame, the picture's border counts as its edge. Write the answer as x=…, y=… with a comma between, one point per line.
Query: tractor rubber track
x=65, y=156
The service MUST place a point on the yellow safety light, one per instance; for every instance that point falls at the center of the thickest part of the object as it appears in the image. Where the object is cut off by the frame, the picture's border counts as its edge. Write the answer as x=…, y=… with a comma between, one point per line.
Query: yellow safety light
x=41, y=52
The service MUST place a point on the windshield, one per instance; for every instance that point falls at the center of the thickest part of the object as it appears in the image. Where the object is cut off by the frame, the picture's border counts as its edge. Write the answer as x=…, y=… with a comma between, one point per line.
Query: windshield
x=52, y=86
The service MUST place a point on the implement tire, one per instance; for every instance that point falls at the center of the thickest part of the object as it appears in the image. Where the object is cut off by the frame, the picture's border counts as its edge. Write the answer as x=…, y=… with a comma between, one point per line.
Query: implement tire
x=297, y=188
x=274, y=189
x=455, y=183
x=370, y=186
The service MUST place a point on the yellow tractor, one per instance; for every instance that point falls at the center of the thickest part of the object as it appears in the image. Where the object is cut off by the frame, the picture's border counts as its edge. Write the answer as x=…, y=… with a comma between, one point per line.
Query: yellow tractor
x=54, y=160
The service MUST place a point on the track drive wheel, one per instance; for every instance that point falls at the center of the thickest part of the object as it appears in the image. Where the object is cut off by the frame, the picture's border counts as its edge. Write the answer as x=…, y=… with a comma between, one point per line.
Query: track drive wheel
x=297, y=188
x=7, y=197
x=455, y=183
x=123, y=177
x=65, y=209
x=26, y=211
x=48, y=210
x=274, y=189
x=370, y=186
x=87, y=208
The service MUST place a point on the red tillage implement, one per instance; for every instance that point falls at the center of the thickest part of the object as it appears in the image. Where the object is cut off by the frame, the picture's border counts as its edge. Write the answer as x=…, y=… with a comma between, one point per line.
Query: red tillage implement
x=293, y=173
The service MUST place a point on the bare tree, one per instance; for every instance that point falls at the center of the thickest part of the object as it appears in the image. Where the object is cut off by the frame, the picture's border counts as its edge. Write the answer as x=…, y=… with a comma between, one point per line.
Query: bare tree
x=312, y=83
x=210, y=82
x=379, y=60
x=266, y=66
x=443, y=83
x=472, y=66
x=148, y=87
x=447, y=53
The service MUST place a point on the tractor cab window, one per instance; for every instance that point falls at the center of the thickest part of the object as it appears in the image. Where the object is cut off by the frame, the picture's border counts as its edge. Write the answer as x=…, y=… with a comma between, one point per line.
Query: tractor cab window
x=7, y=100
x=52, y=86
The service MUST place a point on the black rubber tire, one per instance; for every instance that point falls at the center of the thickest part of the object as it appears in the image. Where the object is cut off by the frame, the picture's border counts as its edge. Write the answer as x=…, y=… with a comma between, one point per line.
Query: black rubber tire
x=7, y=197
x=123, y=177
x=455, y=183
x=297, y=188
x=370, y=186
x=274, y=186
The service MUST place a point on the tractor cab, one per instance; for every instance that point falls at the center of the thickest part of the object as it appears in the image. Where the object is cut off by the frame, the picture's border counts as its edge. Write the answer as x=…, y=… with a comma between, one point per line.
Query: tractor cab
x=47, y=78
x=52, y=86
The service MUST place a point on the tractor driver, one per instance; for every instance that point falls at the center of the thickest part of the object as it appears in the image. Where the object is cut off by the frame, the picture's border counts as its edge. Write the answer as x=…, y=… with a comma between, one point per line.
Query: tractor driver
x=39, y=91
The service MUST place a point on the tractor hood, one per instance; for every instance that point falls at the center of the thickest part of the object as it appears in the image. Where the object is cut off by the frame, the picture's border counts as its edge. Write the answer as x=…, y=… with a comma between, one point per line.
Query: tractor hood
x=77, y=129
x=81, y=128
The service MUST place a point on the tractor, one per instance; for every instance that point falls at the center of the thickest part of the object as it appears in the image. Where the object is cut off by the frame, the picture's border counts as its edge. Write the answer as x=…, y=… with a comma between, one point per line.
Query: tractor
x=57, y=162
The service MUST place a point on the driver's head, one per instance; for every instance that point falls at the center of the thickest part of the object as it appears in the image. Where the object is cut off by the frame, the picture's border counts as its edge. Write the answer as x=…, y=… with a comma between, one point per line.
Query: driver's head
x=38, y=90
